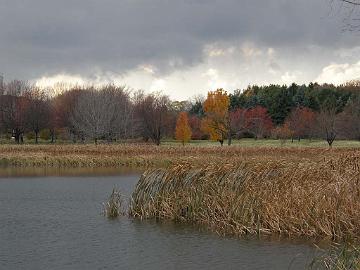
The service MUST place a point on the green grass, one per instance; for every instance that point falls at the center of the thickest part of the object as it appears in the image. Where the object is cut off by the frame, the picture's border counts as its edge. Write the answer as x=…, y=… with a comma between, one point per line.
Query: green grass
x=247, y=142
x=269, y=143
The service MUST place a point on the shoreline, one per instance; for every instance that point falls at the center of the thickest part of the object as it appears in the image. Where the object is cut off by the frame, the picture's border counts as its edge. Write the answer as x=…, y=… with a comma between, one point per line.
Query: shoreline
x=150, y=156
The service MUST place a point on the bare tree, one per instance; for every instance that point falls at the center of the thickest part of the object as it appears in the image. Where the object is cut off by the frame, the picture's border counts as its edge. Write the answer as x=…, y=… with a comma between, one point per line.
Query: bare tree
x=237, y=122
x=152, y=110
x=103, y=113
x=13, y=109
x=12, y=116
x=37, y=113
x=350, y=13
x=349, y=120
x=63, y=106
x=2, y=90
x=327, y=119
x=351, y=2
x=93, y=113
x=16, y=88
x=121, y=120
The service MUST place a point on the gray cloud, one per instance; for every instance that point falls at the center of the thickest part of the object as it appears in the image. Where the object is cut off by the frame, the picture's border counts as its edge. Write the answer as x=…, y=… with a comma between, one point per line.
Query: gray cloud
x=40, y=37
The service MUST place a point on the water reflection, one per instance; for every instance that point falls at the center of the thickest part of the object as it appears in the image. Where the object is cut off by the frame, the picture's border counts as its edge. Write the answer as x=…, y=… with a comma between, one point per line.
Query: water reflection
x=13, y=171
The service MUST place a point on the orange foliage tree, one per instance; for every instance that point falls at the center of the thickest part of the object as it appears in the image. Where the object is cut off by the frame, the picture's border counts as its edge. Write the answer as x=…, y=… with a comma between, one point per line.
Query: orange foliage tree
x=183, y=130
x=216, y=121
x=283, y=133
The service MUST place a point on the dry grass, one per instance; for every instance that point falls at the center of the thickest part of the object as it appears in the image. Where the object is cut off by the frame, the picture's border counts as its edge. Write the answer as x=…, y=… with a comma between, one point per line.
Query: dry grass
x=345, y=257
x=114, y=207
x=312, y=198
x=118, y=155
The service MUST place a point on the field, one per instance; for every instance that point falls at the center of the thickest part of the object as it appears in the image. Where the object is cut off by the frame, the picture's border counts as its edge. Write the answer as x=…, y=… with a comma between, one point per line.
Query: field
x=148, y=155
x=273, y=143
x=246, y=142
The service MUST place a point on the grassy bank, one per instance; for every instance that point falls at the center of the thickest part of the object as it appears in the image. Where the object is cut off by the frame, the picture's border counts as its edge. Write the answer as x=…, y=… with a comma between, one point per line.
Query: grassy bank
x=308, y=198
x=146, y=155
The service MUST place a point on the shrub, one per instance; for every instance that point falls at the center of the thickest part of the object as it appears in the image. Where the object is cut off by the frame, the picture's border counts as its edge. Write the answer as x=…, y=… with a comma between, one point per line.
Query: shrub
x=45, y=134
x=30, y=135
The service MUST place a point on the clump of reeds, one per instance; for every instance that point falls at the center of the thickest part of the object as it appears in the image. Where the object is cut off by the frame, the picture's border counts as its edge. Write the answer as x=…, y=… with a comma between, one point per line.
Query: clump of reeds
x=345, y=257
x=114, y=207
x=310, y=199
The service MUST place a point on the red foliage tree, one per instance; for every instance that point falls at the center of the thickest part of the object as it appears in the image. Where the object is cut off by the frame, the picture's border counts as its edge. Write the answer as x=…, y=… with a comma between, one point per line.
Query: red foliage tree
x=301, y=122
x=195, y=125
x=62, y=109
x=237, y=121
x=258, y=122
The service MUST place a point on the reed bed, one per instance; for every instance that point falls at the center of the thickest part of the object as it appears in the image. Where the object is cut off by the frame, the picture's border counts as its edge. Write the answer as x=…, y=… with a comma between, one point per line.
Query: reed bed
x=144, y=155
x=308, y=198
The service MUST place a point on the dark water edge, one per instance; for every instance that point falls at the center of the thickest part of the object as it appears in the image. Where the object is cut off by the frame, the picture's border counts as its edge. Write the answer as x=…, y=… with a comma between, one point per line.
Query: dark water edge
x=19, y=171
x=55, y=222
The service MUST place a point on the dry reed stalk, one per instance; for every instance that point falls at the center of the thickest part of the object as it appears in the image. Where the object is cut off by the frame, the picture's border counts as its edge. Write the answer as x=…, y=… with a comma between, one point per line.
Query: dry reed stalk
x=313, y=199
x=144, y=155
x=114, y=207
x=345, y=257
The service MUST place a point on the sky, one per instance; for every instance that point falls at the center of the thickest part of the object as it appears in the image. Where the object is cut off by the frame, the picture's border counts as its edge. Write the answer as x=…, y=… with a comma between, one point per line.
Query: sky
x=183, y=48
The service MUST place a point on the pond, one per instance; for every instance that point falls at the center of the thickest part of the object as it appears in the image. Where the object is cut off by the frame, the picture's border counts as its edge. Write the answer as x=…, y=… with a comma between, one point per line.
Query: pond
x=55, y=222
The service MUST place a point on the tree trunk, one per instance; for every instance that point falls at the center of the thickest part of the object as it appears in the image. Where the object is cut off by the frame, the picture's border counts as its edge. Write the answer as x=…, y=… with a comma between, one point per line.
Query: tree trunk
x=221, y=142
x=330, y=138
x=330, y=143
x=96, y=141
x=36, y=137
x=17, y=137
x=229, y=138
x=52, y=137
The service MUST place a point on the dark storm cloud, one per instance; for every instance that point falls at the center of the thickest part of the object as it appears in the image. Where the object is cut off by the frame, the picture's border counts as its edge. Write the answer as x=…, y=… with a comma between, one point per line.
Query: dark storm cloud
x=78, y=36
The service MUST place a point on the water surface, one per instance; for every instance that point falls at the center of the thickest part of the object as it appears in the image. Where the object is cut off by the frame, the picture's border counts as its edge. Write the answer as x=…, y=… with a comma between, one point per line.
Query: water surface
x=56, y=223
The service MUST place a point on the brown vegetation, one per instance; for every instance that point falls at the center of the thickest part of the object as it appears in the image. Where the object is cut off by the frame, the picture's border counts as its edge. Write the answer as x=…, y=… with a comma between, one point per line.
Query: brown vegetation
x=309, y=197
x=114, y=207
x=145, y=155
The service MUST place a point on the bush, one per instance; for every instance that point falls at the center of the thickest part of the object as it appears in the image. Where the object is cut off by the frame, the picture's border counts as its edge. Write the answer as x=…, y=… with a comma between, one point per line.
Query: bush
x=45, y=134
x=30, y=136
x=282, y=133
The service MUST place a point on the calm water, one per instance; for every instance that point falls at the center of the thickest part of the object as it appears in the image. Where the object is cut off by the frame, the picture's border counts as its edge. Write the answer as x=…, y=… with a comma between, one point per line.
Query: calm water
x=56, y=223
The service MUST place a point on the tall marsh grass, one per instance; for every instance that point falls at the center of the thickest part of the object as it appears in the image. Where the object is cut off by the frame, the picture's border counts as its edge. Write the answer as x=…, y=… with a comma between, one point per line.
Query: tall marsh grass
x=311, y=199
x=114, y=206
x=345, y=257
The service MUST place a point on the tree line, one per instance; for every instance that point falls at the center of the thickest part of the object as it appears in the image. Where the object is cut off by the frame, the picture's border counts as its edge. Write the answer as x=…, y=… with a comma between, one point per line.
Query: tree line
x=112, y=113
